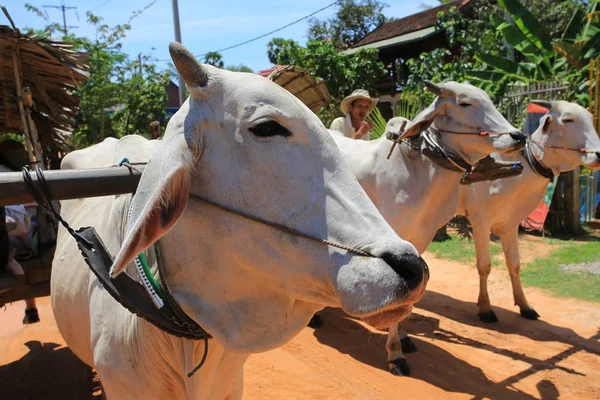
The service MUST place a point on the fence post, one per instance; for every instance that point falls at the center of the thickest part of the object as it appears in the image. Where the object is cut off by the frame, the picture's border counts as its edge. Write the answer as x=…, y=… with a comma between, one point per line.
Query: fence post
x=572, y=200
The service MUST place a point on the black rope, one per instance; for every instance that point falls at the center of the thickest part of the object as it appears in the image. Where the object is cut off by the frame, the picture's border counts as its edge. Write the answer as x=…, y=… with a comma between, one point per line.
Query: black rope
x=201, y=361
x=45, y=201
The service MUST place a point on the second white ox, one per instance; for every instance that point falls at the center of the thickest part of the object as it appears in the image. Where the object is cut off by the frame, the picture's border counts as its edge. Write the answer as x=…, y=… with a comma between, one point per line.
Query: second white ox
x=413, y=193
x=245, y=143
x=565, y=140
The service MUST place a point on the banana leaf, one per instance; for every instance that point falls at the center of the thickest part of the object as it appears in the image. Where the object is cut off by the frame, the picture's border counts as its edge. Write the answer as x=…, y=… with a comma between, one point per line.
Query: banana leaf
x=409, y=106
x=501, y=63
x=379, y=123
x=488, y=76
x=569, y=51
x=574, y=27
x=528, y=24
x=519, y=41
x=591, y=46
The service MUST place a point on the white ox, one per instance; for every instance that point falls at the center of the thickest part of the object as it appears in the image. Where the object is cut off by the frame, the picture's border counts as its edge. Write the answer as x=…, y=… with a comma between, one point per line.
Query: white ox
x=499, y=207
x=244, y=142
x=415, y=195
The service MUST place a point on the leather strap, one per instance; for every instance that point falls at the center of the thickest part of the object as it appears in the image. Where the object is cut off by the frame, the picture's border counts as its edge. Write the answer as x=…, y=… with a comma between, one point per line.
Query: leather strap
x=132, y=295
x=535, y=163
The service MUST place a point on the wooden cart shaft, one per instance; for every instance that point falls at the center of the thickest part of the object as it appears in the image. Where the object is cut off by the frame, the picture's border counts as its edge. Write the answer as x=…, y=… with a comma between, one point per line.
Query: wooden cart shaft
x=70, y=184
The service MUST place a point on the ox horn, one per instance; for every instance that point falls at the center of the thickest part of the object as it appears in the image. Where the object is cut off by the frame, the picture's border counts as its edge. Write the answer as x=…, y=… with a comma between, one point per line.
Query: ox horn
x=439, y=89
x=543, y=103
x=186, y=64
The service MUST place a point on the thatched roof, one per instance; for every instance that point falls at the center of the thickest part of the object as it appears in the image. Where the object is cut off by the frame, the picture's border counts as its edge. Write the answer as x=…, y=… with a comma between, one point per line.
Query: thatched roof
x=299, y=82
x=52, y=70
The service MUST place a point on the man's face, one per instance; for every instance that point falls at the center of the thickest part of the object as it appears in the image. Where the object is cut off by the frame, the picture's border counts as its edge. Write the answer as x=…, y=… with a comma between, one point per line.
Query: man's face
x=360, y=108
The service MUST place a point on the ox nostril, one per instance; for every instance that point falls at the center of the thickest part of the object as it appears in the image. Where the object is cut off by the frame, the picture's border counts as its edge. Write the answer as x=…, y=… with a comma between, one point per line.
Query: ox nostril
x=412, y=268
x=598, y=156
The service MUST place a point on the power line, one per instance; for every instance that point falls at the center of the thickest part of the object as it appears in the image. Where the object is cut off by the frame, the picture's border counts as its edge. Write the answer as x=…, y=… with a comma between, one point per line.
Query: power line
x=64, y=8
x=266, y=34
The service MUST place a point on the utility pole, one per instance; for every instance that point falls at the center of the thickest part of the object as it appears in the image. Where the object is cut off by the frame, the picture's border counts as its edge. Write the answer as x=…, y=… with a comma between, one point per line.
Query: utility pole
x=178, y=39
x=64, y=8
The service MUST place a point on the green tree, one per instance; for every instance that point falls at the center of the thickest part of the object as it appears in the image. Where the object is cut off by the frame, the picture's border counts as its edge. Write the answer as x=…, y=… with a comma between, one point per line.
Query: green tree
x=239, y=68
x=214, y=58
x=142, y=96
x=538, y=56
x=341, y=72
x=120, y=96
x=353, y=21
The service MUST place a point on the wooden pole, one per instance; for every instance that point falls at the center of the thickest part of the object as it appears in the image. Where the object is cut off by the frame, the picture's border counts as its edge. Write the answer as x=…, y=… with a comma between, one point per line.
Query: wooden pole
x=597, y=94
x=71, y=184
x=27, y=99
x=17, y=70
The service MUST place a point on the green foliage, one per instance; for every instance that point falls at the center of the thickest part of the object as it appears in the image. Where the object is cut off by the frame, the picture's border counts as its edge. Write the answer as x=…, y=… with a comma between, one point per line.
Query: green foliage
x=239, y=68
x=214, y=58
x=353, y=21
x=411, y=104
x=121, y=96
x=464, y=36
x=341, y=72
x=379, y=123
x=541, y=54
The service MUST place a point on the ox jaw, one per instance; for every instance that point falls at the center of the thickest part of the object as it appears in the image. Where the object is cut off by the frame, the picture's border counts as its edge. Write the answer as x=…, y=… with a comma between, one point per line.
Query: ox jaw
x=242, y=327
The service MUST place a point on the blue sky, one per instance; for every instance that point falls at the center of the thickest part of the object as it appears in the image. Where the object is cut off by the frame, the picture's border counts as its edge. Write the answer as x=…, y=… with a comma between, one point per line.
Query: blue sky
x=205, y=25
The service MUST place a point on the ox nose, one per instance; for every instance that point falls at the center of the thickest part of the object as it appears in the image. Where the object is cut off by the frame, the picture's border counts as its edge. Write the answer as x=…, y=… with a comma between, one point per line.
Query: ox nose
x=412, y=268
x=598, y=156
x=517, y=136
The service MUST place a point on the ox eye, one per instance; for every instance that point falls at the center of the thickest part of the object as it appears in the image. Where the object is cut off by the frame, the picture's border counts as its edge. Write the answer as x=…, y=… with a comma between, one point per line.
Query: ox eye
x=269, y=129
x=568, y=120
x=465, y=104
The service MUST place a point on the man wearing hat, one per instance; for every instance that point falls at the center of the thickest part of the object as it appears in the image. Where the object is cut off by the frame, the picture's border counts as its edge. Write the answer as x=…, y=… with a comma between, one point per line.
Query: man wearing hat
x=356, y=107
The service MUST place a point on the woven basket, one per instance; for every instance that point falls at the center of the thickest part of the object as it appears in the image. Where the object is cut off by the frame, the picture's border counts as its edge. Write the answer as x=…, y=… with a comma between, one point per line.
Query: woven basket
x=303, y=85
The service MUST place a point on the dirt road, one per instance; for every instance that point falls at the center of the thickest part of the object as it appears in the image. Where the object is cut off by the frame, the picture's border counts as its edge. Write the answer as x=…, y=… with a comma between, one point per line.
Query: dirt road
x=458, y=357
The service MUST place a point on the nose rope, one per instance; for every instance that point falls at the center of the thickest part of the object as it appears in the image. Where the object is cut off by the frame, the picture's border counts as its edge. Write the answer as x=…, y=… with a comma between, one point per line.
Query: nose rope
x=582, y=150
x=125, y=162
x=480, y=133
x=280, y=227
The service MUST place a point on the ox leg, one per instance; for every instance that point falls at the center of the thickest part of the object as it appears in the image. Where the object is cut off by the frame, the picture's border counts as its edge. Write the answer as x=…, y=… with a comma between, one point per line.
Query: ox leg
x=397, y=340
x=510, y=246
x=481, y=236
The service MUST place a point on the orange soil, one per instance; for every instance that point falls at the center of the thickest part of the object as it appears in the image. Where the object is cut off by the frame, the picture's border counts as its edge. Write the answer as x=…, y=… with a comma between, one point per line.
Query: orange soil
x=458, y=357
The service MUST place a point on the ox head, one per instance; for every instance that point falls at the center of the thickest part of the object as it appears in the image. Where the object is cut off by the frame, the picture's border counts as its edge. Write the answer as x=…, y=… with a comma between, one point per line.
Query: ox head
x=566, y=126
x=459, y=108
x=244, y=142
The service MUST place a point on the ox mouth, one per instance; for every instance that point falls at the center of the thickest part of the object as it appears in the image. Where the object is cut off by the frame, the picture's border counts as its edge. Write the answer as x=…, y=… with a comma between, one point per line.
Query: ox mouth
x=386, y=318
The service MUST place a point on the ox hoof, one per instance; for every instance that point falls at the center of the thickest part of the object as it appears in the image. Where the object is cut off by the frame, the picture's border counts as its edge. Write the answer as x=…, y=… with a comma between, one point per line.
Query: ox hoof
x=315, y=322
x=530, y=313
x=488, y=316
x=399, y=367
x=408, y=345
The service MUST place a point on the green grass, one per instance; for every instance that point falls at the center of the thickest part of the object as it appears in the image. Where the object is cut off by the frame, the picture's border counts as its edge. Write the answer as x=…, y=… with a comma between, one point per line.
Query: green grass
x=546, y=273
x=543, y=273
x=462, y=250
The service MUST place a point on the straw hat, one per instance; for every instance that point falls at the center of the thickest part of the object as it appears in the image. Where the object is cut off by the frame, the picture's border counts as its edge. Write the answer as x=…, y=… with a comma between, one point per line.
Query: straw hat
x=357, y=94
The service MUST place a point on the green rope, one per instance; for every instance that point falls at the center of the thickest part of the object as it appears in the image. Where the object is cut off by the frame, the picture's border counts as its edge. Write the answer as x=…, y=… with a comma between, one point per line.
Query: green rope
x=150, y=276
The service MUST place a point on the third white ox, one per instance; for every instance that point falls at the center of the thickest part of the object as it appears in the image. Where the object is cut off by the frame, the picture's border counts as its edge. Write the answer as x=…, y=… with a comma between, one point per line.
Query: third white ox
x=565, y=140
x=414, y=193
x=239, y=145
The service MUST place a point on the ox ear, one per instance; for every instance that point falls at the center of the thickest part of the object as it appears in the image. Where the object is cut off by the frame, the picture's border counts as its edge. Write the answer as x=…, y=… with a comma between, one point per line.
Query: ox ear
x=159, y=201
x=188, y=67
x=545, y=123
x=422, y=121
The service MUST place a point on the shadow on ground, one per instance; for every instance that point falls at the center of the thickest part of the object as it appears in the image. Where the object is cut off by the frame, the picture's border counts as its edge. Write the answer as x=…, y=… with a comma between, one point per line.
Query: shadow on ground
x=53, y=372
